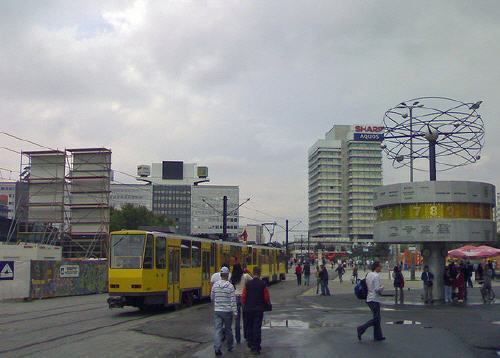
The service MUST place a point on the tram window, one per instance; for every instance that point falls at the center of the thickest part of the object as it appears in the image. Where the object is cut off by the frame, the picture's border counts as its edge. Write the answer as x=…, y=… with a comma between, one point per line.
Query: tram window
x=249, y=256
x=235, y=254
x=196, y=253
x=148, y=253
x=161, y=254
x=254, y=256
x=186, y=254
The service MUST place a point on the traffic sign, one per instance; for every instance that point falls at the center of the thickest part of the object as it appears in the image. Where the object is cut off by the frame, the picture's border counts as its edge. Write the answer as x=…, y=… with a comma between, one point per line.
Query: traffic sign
x=6, y=270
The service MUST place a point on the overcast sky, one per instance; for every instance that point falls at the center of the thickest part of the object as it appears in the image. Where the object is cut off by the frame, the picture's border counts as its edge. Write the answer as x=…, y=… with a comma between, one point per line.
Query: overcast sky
x=243, y=87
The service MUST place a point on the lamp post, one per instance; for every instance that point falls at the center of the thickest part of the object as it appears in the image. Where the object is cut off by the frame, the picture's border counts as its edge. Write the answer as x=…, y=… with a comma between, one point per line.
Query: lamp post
x=415, y=104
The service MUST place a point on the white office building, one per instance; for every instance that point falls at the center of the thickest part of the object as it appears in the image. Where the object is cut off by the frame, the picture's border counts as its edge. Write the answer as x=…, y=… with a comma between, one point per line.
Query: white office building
x=496, y=212
x=344, y=169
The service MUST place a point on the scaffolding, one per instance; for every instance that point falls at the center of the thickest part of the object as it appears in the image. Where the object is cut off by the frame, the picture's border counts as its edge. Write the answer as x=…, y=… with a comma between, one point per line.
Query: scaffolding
x=41, y=210
x=89, y=188
x=64, y=199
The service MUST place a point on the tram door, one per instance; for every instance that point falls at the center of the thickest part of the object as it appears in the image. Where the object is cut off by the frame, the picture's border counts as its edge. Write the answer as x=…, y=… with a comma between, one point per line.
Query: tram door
x=174, y=254
x=205, y=273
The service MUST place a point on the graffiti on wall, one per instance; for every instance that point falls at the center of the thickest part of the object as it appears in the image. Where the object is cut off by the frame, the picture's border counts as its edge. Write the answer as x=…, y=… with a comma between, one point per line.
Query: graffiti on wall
x=62, y=278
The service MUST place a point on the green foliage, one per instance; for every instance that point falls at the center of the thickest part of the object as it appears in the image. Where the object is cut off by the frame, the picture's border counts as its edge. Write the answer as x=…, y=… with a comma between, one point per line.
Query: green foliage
x=130, y=217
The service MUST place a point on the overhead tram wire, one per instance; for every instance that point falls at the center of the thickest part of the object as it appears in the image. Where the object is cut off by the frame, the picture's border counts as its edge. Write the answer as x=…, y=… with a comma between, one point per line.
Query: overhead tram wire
x=49, y=148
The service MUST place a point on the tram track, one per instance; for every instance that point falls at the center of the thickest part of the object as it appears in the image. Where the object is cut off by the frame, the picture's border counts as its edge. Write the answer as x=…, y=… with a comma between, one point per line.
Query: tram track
x=42, y=310
x=74, y=334
x=49, y=315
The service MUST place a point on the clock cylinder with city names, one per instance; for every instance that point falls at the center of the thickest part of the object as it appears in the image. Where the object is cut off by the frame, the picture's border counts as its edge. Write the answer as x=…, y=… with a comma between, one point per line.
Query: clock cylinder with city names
x=435, y=211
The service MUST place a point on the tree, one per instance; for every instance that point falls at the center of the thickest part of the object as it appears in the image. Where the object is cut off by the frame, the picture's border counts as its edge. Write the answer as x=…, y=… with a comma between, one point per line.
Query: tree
x=130, y=217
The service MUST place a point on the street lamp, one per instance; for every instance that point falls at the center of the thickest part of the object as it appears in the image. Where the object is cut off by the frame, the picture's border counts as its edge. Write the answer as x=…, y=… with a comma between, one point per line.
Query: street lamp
x=415, y=104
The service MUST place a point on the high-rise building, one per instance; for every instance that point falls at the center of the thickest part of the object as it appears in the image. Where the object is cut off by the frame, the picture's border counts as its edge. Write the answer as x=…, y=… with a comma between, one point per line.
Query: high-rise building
x=497, y=213
x=344, y=168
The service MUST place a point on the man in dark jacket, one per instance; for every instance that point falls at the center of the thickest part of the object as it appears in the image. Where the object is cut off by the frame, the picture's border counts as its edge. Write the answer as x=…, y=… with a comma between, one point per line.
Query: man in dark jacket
x=323, y=276
x=255, y=295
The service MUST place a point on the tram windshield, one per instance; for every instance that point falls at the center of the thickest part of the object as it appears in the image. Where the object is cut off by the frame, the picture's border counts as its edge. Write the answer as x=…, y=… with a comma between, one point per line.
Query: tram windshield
x=126, y=250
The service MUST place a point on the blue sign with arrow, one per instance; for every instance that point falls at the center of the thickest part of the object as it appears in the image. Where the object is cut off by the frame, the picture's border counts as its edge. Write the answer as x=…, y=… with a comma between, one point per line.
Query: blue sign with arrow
x=6, y=270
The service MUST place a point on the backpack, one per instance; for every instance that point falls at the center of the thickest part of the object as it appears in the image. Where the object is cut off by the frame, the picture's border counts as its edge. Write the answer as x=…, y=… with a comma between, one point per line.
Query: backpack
x=361, y=289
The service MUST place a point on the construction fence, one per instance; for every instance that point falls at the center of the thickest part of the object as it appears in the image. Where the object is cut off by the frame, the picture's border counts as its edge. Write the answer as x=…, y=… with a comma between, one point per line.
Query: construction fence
x=43, y=279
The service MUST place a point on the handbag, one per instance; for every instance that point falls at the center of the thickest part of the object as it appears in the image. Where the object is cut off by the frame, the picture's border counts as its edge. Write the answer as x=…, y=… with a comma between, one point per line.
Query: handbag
x=268, y=306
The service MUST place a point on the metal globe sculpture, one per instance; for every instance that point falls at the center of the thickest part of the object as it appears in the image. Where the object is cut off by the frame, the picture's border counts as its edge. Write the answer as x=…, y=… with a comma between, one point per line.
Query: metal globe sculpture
x=455, y=127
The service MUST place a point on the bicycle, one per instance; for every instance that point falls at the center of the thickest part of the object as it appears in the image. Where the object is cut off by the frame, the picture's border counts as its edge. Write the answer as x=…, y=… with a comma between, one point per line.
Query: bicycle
x=488, y=294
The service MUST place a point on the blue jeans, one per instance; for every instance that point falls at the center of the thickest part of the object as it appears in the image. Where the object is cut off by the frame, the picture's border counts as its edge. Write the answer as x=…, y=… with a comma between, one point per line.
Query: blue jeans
x=375, y=321
x=447, y=294
x=223, y=322
x=325, y=291
x=237, y=333
x=306, y=279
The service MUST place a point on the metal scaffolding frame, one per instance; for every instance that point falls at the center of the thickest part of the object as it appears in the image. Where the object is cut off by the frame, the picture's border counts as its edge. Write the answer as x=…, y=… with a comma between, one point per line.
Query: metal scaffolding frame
x=89, y=187
x=65, y=200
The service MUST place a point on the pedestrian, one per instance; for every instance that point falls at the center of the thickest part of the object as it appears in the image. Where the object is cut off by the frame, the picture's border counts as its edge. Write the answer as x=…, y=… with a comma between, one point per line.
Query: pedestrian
x=318, y=280
x=448, y=282
x=373, y=301
x=224, y=299
x=459, y=284
x=354, y=278
x=253, y=299
x=399, y=284
x=307, y=273
x=323, y=275
x=239, y=279
x=298, y=272
x=340, y=271
x=216, y=276
x=470, y=270
x=480, y=272
x=463, y=268
x=427, y=277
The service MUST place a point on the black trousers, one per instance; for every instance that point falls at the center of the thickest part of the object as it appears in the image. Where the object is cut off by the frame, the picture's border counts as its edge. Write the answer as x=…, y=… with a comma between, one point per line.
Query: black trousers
x=375, y=321
x=252, y=321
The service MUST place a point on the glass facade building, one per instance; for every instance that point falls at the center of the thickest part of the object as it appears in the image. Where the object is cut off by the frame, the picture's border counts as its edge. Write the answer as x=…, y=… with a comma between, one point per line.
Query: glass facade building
x=344, y=169
x=174, y=201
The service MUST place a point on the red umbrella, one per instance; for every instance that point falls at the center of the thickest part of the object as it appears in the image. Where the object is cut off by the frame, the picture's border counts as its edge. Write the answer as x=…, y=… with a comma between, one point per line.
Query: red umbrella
x=474, y=252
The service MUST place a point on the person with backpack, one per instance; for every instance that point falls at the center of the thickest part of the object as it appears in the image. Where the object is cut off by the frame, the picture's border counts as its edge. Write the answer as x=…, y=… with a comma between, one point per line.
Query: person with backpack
x=373, y=301
x=399, y=284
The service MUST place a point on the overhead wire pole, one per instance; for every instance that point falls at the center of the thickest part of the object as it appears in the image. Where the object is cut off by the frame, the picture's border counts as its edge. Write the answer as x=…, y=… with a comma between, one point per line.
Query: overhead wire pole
x=286, y=247
x=224, y=218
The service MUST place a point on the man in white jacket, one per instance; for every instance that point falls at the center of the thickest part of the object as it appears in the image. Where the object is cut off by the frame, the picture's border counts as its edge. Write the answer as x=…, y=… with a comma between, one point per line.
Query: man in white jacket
x=224, y=300
x=373, y=301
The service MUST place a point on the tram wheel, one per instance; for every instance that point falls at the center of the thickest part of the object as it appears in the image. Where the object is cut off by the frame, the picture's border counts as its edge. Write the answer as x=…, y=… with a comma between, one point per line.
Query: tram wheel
x=187, y=299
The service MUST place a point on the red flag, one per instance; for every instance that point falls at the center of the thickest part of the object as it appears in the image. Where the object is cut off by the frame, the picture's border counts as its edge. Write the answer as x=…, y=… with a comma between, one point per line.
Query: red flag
x=243, y=235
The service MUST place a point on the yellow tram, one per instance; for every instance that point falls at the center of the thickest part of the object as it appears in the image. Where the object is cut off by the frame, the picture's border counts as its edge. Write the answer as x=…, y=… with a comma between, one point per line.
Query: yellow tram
x=162, y=269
